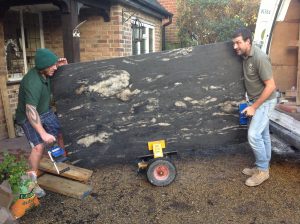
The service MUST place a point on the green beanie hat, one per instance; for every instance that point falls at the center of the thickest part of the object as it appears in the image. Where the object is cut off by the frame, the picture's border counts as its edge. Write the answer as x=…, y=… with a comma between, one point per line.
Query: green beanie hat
x=44, y=58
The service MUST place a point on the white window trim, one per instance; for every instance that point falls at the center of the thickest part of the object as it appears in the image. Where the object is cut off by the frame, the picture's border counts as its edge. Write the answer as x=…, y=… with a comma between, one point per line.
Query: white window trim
x=23, y=37
x=23, y=42
x=147, y=26
x=138, y=46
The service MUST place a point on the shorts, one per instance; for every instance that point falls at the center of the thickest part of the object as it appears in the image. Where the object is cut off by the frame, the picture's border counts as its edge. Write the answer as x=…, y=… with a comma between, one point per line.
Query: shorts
x=50, y=124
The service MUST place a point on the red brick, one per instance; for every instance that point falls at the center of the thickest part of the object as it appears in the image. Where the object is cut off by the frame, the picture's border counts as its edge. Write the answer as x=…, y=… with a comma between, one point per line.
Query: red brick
x=172, y=29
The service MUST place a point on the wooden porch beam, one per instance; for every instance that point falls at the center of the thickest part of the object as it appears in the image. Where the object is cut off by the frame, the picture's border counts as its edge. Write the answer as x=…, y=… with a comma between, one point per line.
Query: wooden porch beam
x=69, y=22
x=3, y=88
x=6, y=106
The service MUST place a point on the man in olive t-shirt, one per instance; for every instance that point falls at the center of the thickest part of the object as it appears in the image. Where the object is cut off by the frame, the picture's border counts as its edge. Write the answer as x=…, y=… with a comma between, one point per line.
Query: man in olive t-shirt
x=33, y=113
x=260, y=89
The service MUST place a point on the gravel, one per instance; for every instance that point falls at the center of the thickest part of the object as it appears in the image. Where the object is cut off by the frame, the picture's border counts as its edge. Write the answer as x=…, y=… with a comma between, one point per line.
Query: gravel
x=209, y=188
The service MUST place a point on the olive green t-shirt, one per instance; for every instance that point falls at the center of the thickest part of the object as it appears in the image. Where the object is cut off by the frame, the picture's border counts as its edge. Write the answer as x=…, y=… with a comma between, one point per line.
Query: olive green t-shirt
x=257, y=69
x=34, y=90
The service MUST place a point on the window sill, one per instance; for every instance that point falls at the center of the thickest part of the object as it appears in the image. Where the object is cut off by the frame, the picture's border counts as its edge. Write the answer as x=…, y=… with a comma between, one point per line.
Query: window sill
x=11, y=82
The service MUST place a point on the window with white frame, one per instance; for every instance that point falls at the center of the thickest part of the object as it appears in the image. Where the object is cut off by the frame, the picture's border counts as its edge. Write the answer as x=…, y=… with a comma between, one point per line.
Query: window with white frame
x=146, y=44
x=21, y=41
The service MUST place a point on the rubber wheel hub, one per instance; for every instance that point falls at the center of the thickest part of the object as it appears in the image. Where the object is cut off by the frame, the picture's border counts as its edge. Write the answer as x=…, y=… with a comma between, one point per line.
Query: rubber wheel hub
x=161, y=172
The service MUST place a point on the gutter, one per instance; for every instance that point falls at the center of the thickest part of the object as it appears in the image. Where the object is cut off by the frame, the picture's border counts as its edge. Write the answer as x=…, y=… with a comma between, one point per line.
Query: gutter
x=164, y=32
x=161, y=10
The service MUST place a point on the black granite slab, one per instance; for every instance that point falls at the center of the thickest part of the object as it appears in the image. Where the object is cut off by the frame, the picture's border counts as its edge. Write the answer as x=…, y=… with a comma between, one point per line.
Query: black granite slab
x=110, y=109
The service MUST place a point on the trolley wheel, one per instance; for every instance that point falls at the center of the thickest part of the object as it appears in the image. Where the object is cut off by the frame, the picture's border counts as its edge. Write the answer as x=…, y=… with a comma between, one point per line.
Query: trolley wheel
x=161, y=172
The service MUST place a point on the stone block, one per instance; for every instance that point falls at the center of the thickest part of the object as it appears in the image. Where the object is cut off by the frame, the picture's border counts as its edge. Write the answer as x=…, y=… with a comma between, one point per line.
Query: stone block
x=110, y=109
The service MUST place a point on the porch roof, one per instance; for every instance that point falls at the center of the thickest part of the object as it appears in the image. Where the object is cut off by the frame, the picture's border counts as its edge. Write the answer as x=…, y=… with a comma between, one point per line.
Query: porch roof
x=151, y=7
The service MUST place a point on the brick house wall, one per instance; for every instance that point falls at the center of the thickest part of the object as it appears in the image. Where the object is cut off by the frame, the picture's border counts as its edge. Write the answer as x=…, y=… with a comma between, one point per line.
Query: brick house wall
x=102, y=40
x=52, y=29
x=98, y=40
x=171, y=30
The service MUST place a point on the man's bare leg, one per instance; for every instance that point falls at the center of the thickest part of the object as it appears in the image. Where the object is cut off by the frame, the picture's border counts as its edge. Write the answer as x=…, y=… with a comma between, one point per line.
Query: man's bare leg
x=36, y=156
x=34, y=162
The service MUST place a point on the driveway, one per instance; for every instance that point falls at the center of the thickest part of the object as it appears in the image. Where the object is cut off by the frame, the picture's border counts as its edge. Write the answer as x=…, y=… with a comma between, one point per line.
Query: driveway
x=209, y=188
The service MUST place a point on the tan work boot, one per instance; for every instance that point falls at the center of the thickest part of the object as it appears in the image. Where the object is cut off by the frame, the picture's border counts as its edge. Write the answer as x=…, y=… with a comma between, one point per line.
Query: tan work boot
x=257, y=178
x=250, y=171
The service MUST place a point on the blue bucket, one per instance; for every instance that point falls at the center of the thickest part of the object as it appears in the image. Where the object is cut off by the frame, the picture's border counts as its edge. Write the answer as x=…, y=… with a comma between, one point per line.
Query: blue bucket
x=242, y=116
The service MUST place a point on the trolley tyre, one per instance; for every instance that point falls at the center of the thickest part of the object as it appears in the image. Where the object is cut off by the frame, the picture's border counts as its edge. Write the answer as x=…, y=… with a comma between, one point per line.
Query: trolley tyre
x=161, y=172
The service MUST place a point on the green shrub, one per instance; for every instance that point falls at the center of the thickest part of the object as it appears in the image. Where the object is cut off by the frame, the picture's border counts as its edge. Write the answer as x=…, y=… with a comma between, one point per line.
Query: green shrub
x=12, y=170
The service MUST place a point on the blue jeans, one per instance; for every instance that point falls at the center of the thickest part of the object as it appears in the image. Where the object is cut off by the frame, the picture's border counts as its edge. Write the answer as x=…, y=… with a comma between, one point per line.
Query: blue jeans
x=259, y=134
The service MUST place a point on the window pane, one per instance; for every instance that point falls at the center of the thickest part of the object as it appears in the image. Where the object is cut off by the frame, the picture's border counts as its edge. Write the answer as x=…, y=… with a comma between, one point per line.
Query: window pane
x=150, y=40
x=134, y=47
x=143, y=43
x=13, y=38
x=32, y=36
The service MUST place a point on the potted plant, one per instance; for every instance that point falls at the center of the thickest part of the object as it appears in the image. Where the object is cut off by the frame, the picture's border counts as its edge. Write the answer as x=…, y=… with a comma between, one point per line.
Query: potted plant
x=12, y=170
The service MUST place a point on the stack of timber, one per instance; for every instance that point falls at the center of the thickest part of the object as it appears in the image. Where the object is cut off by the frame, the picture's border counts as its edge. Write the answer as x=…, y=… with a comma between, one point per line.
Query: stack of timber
x=72, y=183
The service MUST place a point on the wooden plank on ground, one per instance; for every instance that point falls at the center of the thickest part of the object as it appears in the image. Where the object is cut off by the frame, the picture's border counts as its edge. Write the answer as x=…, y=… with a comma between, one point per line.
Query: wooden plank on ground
x=6, y=106
x=64, y=186
x=75, y=173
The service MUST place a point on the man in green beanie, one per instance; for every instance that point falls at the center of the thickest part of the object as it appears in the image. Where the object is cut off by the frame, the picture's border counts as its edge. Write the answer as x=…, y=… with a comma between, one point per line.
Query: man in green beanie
x=33, y=113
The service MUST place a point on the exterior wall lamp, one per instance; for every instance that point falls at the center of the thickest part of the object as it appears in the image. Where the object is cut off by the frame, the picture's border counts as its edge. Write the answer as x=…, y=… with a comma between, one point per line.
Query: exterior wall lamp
x=76, y=32
x=137, y=30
